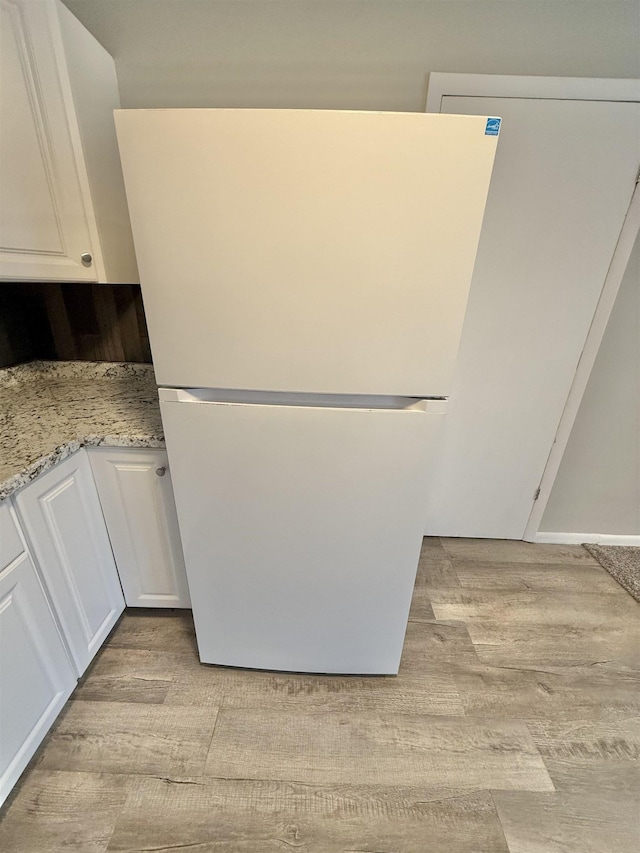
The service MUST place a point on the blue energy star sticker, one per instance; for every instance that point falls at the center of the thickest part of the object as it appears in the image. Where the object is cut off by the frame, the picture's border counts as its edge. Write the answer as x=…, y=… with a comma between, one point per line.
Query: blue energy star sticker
x=493, y=127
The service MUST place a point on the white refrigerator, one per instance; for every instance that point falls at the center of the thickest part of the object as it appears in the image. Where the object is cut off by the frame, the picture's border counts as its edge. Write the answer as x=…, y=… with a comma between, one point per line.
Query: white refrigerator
x=304, y=275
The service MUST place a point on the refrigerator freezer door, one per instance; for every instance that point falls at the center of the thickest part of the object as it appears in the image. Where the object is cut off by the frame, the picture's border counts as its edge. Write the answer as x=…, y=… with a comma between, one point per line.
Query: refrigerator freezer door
x=303, y=250
x=301, y=529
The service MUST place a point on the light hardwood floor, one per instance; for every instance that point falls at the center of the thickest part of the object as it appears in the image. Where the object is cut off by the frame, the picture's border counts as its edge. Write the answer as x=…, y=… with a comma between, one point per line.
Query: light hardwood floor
x=514, y=725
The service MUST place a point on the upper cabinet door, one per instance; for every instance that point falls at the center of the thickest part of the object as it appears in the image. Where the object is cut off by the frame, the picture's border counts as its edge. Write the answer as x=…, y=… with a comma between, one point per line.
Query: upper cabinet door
x=44, y=229
x=63, y=214
x=305, y=250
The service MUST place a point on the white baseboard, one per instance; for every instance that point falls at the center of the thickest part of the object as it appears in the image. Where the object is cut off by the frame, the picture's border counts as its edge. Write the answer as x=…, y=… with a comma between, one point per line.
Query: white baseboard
x=579, y=538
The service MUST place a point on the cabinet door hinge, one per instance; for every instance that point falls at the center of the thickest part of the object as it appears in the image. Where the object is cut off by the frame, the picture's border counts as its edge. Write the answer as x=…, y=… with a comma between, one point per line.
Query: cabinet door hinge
x=536, y=494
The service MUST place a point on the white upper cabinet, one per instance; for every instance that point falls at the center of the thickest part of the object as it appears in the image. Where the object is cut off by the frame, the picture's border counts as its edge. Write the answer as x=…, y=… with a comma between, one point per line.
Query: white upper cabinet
x=63, y=212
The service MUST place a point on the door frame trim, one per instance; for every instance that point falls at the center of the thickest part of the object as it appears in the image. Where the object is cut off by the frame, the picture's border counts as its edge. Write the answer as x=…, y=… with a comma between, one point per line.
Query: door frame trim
x=511, y=86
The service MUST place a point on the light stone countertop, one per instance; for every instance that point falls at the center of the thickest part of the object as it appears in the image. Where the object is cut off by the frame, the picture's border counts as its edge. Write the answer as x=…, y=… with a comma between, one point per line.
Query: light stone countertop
x=49, y=409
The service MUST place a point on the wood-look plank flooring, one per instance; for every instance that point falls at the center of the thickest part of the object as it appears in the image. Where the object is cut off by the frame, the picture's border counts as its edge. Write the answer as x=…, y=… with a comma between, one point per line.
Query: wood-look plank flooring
x=513, y=727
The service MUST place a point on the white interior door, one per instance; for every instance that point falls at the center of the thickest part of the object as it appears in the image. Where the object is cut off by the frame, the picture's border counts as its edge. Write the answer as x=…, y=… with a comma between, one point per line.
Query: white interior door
x=564, y=175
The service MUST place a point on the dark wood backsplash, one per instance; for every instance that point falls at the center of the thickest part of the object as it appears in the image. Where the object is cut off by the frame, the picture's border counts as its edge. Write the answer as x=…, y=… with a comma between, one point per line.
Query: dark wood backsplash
x=85, y=322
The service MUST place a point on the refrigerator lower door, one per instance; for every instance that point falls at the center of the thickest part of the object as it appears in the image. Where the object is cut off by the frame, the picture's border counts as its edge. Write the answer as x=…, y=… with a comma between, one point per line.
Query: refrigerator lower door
x=301, y=527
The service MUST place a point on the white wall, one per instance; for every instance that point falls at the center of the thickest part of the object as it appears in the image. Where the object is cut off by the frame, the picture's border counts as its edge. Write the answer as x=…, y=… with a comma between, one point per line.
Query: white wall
x=348, y=54
x=597, y=489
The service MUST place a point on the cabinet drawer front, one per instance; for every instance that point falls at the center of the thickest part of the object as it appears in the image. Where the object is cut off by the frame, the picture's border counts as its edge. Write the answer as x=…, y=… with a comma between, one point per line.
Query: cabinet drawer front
x=61, y=515
x=10, y=542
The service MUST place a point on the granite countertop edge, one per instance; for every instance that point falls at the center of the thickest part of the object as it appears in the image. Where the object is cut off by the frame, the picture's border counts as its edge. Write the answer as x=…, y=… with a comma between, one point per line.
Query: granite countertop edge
x=28, y=454
x=63, y=451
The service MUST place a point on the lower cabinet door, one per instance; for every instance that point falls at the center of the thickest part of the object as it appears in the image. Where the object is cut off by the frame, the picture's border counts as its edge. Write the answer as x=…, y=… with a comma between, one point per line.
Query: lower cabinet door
x=36, y=676
x=135, y=490
x=62, y=518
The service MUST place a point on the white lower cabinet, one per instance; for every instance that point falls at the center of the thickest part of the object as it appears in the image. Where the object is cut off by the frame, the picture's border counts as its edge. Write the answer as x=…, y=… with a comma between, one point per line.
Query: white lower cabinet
x=57, y=607
x=138, y=505
x=61, y=516
x=36, y=675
